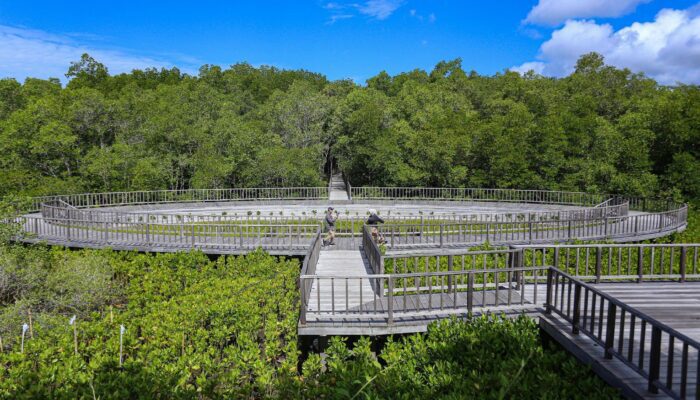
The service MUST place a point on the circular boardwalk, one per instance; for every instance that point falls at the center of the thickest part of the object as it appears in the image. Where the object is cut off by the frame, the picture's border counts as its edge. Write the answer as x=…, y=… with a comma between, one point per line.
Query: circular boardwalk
x=285, y=220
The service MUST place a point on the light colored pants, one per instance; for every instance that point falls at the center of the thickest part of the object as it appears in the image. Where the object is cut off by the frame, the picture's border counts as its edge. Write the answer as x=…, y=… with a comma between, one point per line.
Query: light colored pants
x=330, y=236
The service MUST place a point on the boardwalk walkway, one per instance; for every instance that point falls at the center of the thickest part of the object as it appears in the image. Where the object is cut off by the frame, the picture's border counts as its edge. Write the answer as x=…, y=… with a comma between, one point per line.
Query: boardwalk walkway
x=338, y=190
x=676, y=305
x=342, y=262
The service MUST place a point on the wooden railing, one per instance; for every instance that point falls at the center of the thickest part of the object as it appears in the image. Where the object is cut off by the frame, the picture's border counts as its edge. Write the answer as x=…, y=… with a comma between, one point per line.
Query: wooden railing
x=189, y=195
x=512, y=195
x=149, y=236
x=479, y=194
x=470, y=233
x=621, y=331
x=308, y=268
x=372, y=251
x=439, y=272
x=603, y=262
x=389, y=296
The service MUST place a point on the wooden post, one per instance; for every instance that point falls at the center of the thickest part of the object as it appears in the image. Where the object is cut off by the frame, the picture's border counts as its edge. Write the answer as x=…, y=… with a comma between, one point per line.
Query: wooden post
x=302, y=311
x=654, y=359
x=550, y=289
x=605, y=234
x=598, y=263
x=610, y=331
x=577, y=309
x=390, y=299
x=640, y=264
x=684, y=254
x=450, y=264
x=442, y=230
x=470, y=292
x=192, y=235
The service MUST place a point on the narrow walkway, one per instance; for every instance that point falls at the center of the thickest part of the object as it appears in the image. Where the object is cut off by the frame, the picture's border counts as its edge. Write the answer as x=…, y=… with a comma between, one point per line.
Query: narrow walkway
x=338, y=191
x=340, y=294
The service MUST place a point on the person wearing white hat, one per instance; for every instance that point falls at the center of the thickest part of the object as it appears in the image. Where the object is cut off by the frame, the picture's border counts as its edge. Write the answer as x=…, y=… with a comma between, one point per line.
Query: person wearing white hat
x=372, y=221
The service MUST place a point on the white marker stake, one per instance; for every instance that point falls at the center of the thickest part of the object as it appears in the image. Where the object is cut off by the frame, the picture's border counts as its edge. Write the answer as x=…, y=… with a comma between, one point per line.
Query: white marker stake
x=25, y=327
x=75, y=333
x=121, y=346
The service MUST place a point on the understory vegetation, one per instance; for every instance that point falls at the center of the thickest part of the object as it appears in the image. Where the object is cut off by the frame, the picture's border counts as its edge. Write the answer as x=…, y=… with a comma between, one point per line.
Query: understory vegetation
x=197, y=328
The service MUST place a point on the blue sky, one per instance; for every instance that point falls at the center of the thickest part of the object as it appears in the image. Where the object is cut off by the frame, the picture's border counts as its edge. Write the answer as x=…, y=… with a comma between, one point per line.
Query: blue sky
x=353, y=39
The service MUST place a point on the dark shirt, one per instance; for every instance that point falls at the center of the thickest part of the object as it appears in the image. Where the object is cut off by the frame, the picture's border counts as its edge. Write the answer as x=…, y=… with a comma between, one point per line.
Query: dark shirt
x=374, y=219
x=330, y=221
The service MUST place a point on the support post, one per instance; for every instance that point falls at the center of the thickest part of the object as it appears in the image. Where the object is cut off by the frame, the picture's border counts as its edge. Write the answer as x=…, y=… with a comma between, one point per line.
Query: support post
x=550, y=291
x=654, y=359
x=610, y=331
x=390, y=299
x=470, y=292
x=577, y=309
x=684, y=255
x=640, y=264
x=598, y=263
x=302, y=311
x=450, y=264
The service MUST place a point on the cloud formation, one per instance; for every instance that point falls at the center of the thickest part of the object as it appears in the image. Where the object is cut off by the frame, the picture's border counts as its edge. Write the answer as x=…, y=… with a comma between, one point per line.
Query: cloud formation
x=666, y=49
x=379, y=9
x=375, y=9
x=554, y=12
x=35, y=53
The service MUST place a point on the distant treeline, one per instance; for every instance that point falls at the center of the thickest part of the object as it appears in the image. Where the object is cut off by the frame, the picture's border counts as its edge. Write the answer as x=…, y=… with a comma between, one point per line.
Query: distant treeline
x=599, y=129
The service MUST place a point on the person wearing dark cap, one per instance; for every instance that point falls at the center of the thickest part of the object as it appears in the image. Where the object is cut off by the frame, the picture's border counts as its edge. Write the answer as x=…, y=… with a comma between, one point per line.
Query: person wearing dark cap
x=329, y=227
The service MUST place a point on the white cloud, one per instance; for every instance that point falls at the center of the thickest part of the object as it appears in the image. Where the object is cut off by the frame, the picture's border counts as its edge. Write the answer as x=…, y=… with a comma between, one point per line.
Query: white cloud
x=379, y=9
x=536, y=66
x=554, y=12
x=35, y=53
x=666, y=49
x=337, y=17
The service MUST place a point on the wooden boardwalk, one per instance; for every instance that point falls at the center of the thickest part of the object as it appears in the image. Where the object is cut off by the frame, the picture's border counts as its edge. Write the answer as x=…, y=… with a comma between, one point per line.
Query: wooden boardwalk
x=337, y=189
x=674, y=304
x=649, y=330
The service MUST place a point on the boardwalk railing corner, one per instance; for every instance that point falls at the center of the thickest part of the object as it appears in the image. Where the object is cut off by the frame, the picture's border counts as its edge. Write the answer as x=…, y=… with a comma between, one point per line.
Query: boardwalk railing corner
x=621, y=331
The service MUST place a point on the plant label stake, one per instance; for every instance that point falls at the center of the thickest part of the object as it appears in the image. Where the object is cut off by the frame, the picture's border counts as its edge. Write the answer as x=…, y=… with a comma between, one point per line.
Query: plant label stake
x=1, y=348
x=75, y=333
x=25, y=327
x=121, y=343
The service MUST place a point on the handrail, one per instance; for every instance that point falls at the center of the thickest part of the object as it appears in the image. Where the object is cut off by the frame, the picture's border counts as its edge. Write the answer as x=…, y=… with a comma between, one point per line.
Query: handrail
x=372, y=251
x=308, y=268
x=509, y=195
x=581, y=295
x=604, y=228
x=82, y=200
x=601, y=262
x=49, y=209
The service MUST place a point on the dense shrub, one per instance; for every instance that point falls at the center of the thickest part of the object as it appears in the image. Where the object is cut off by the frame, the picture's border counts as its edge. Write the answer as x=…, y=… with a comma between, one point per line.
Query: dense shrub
x=485, y=357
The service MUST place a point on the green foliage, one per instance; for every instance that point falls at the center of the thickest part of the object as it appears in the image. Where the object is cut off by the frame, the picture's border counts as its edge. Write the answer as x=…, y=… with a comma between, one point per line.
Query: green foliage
x=195, y=327
x=600, y=129
x=485, y=357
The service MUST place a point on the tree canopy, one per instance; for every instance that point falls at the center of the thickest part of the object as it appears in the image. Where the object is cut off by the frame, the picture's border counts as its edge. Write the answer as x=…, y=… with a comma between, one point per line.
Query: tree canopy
x=599, y=129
